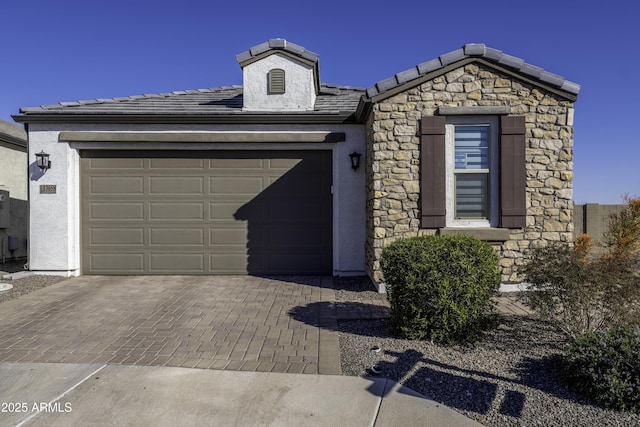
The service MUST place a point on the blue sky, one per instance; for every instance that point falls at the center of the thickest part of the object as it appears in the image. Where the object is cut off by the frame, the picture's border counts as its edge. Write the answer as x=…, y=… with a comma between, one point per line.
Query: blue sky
x=67, y=50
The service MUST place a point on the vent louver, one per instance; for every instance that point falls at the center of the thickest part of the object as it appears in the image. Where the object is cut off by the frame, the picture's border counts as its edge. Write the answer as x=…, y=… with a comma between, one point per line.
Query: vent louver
x=276, y=81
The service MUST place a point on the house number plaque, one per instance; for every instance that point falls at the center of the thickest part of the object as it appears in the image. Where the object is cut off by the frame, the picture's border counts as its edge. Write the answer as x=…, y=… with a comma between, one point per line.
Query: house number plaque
x=48, y=189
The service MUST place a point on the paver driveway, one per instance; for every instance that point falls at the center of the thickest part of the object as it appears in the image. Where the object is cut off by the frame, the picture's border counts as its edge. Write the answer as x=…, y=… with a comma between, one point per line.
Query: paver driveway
x=218, y=322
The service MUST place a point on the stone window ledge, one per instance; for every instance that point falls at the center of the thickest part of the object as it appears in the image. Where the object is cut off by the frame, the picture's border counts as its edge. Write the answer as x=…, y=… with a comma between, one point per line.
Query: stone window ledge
x=487, y=234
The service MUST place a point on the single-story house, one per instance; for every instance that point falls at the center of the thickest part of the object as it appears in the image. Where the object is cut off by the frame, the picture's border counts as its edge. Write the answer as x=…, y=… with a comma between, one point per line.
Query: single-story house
x=14, y=196
x=289, y=175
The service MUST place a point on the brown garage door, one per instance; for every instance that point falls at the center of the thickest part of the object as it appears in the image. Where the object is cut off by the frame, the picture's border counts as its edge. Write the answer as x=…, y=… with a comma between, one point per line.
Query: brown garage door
x=213, y=212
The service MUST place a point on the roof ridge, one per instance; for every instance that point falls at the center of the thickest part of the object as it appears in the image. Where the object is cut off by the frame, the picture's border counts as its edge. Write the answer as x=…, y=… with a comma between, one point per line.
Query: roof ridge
x=474, y=50
x=277, y=44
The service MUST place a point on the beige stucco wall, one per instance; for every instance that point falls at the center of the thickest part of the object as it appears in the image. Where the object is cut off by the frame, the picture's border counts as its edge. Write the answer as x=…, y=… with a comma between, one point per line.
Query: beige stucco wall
x=393, y=161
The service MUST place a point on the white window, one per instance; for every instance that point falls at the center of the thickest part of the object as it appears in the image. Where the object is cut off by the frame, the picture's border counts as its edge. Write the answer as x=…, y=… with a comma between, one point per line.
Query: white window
x=472, y=171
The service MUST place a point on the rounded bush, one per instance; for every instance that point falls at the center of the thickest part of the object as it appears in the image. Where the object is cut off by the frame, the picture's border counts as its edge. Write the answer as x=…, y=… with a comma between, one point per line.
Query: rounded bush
x=441, y=287
x=605, y=366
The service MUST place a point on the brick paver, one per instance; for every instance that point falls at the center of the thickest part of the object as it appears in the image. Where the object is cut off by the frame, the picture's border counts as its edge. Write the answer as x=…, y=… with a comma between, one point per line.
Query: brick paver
x=216, y=322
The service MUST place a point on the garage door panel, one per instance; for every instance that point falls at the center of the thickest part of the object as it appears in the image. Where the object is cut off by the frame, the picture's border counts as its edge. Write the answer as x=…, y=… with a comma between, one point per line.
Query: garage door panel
x=176, y=163
x=176, y=185
x=224, y=210
x=228, y=263
x=283, y=164
x=115, y=211
x=176, y=211
x=236, y=236
x=215, y=212
x=113, y=236
x=120, y=185
x=109, y=164
x=182, y=236
x=176, y=262
x=236, y=185
x=116, y=263
x=237, y=161
x=227, y=163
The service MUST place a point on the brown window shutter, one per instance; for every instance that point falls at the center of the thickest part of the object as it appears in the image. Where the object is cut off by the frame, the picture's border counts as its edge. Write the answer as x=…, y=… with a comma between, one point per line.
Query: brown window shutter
x=513, y=202
x=433, y=191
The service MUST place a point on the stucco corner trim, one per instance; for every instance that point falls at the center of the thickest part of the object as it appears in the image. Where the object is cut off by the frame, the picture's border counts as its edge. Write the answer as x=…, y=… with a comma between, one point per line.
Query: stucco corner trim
x=486, y=234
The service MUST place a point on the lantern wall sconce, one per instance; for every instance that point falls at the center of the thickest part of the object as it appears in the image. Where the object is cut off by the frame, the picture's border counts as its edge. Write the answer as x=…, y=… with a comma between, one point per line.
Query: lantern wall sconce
x=42, y=160
x=355, y=160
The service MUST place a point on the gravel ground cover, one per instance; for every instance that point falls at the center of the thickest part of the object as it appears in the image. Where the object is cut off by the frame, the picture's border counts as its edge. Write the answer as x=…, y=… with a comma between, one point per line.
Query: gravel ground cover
x=509, y=379
x=25, y=285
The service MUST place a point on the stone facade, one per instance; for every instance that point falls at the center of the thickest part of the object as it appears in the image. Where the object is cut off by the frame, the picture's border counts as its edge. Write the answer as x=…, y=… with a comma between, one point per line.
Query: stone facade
x=393, y=160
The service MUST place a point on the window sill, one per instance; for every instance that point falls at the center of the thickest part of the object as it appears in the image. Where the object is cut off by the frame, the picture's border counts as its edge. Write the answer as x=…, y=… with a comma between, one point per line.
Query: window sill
x=487, y=234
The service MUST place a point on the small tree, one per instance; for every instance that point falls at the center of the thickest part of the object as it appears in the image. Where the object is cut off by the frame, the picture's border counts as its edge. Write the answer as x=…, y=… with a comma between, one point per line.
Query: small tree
x=622, y=237
x=581, y=292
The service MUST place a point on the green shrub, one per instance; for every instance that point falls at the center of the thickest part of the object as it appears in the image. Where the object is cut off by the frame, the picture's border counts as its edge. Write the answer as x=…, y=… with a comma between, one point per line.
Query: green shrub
x=440, y=287
x=605, y=366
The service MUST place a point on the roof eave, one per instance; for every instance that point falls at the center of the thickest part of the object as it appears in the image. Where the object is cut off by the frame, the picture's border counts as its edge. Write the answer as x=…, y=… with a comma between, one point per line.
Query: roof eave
x=12, y=140
x=243, y=118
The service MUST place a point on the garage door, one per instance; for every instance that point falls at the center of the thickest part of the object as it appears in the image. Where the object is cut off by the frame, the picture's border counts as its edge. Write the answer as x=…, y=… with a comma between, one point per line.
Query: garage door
x=214, y=212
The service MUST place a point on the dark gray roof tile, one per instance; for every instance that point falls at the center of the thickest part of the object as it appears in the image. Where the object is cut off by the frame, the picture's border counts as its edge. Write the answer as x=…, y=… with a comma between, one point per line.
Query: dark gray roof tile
x=242, y=57
x=511, y=61
x=531, y=70
x=570, y=87
x=372, y=91
x=428, y=66
x=492, y=54
x=451, y=57
x=258, y=49
x=387, y=84
x=551, y=78
x=474, y=49
x=408, y=75
x=277, y=43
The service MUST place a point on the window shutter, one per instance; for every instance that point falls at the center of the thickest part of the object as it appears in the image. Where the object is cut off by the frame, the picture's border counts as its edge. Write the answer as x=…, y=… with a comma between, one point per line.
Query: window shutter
x=433, y=190
x=513, y=202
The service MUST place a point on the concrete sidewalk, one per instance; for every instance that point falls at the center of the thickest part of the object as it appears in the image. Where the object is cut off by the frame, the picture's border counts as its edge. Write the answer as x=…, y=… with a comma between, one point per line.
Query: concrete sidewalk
x=52, y=394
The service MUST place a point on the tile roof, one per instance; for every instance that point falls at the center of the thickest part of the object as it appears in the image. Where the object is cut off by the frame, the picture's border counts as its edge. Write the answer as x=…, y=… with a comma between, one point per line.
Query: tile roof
x=13, y=134
x=474, y=50
x=224, y=100
x=227, y=101
x=277, y=44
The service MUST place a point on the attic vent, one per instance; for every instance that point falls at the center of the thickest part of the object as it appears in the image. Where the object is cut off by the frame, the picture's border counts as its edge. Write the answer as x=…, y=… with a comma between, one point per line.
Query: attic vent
x=276, y=81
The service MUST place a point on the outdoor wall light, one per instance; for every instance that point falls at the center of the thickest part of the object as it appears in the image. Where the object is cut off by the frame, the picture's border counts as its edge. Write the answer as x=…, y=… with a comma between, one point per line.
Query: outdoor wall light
x=42, y=160
x=355, y=160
